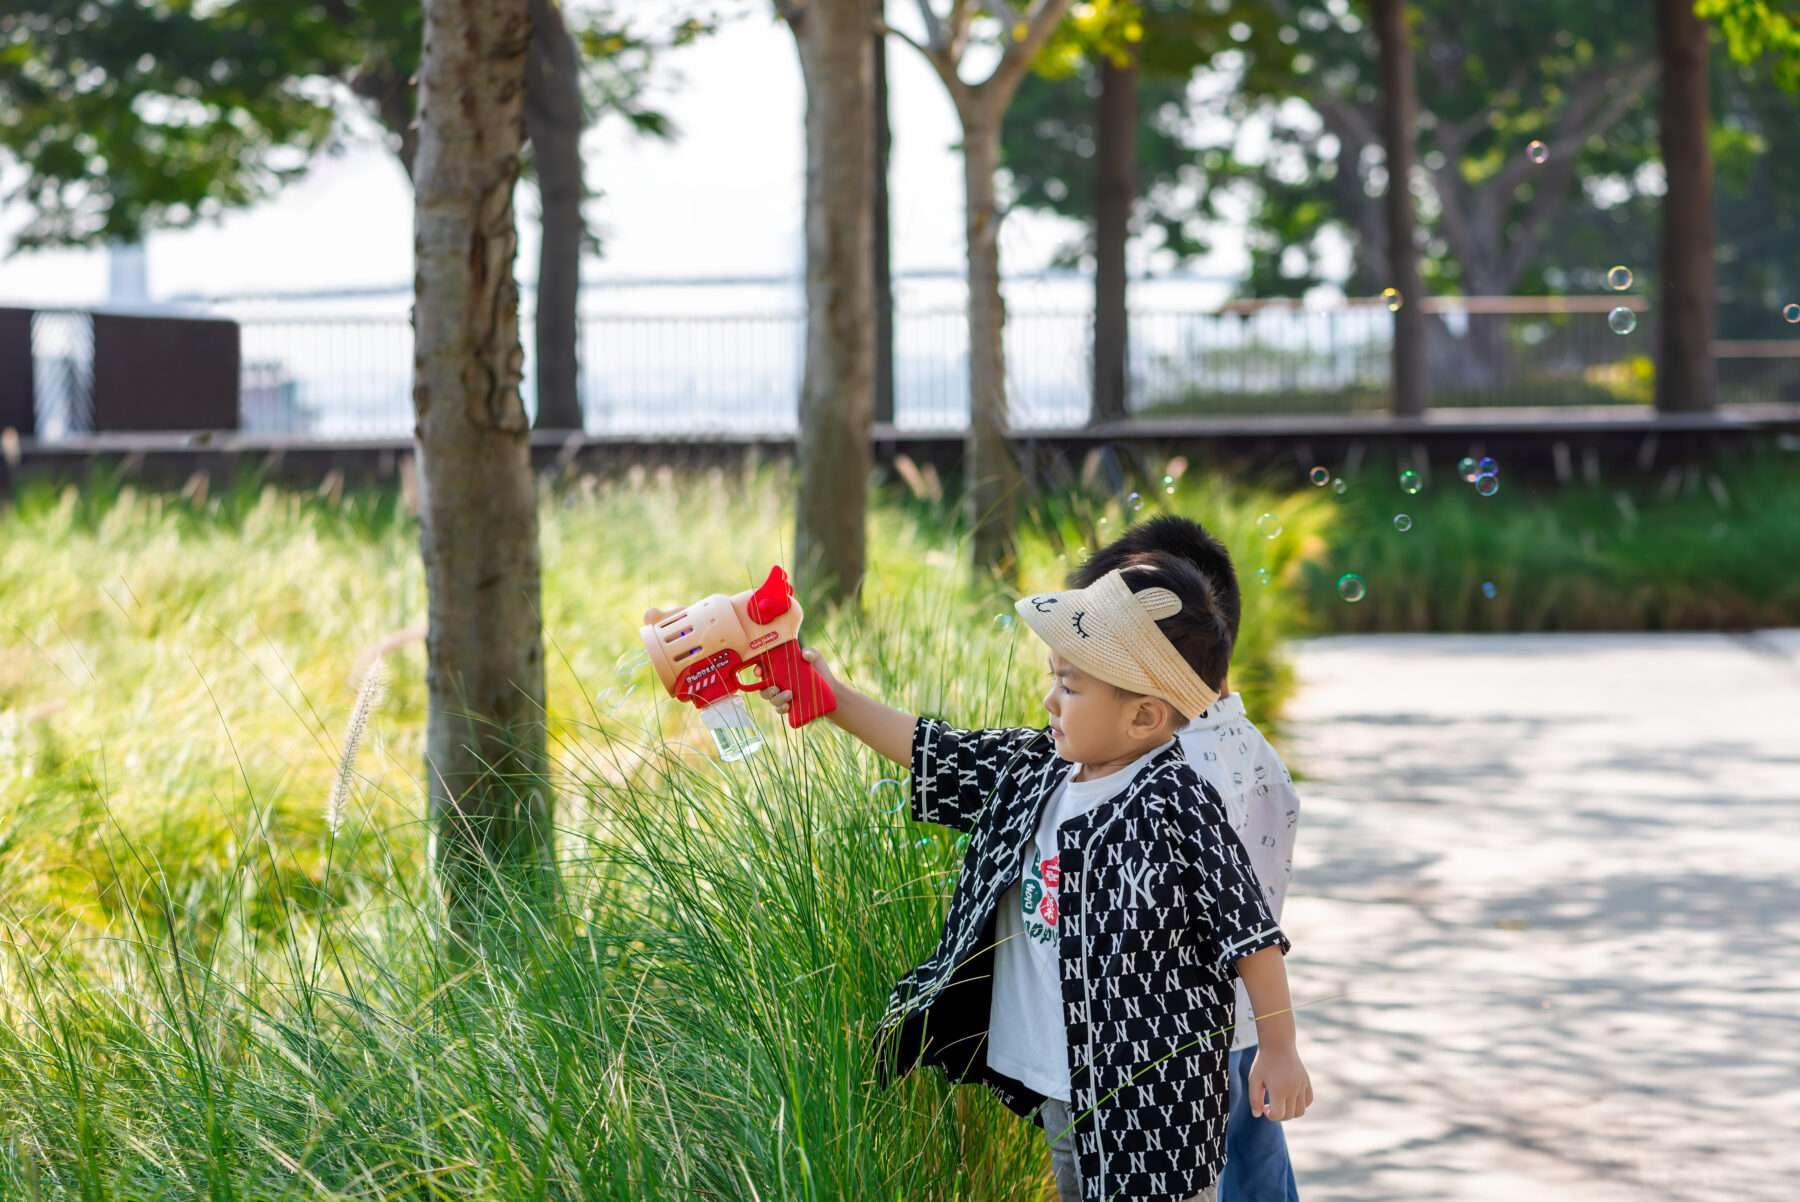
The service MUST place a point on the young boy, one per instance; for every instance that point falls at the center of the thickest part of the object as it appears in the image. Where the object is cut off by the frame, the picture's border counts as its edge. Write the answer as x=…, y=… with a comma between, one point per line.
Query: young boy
x=1104, y=903
x=1230, y=754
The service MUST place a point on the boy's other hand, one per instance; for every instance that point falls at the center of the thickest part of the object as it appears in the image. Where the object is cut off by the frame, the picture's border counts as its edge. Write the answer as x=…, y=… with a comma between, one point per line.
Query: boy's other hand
x=782, y=698
x=1279, y=1072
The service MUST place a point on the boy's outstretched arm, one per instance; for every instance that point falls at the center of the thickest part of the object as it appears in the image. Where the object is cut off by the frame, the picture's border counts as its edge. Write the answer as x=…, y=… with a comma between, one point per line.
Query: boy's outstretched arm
x=1277, y=1066
x=886, y=730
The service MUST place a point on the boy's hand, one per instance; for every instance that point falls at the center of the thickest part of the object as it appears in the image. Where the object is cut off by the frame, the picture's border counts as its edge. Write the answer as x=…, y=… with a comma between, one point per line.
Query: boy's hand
x=782, y=698
x=1280, y=1073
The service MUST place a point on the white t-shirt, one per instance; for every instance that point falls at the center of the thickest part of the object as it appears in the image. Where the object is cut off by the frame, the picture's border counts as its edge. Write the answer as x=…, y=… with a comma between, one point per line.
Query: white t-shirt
x=1027, y=1037
x=1232, y=756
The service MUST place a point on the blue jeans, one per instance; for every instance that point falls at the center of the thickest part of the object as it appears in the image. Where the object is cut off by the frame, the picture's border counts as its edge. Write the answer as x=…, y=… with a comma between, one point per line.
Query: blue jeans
x=1256, y=1155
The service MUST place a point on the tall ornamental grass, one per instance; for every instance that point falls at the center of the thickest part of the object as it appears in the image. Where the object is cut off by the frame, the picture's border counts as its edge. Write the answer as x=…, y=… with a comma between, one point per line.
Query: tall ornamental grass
x=1694, y=547
x=220, y=972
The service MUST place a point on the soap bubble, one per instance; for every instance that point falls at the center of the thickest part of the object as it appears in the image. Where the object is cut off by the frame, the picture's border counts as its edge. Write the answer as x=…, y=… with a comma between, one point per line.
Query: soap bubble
x=1619, y=279
x=1411, y=482
x=1402, y=523
x=1537, y=152
x=608, y=700
x=1339, y=487
x=1005, y=621
x=1622, y=320
x=899, y=790
x=1487, y=467
x=1319, y=476
x=1791, y=314
x=633, y=665
x=1268, y=525
x=1393, y=298
x=1487, y=486
x=1134, y=502
x=1465, y=467
x=1351, y=587
x=1488, y=590
x=1262, y=576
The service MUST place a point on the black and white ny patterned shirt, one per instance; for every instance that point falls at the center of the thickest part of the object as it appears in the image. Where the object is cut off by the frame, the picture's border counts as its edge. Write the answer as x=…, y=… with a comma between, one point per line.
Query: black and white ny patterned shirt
x=1158, y=902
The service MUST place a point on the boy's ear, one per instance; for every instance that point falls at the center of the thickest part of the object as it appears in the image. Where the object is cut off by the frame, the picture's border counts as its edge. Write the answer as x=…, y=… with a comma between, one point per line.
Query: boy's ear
x=1149, y=715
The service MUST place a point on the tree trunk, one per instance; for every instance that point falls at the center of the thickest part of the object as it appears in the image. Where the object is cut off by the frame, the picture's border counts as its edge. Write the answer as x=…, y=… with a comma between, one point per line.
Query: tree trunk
x=837, y=388
x=1115, y=184
x=991, y=472
x=884, y=273
x=1684, y=375
x=553, y=119
x=1399, y=123
x=484, y=742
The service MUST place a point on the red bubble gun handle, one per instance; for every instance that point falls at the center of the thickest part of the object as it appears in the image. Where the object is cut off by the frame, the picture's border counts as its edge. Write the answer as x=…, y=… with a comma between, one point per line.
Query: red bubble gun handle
x=784, y=667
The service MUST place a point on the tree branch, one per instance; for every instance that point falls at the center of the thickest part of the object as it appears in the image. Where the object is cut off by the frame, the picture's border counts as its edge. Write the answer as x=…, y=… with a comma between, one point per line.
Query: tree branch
x=1549, y=198
x=1040, y=23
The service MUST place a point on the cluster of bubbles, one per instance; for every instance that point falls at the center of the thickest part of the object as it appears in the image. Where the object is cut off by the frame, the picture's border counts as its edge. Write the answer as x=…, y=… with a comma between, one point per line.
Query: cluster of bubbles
x=1621, y=320
x=1484, y=474
x=1268, y=525
x=1393, y=298
x=633, y=672
x=1169, y=485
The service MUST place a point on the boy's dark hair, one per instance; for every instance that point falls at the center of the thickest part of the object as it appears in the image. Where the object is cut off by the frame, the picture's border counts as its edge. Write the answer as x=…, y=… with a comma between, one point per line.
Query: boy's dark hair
x=1182, y=538
x=1200, y=633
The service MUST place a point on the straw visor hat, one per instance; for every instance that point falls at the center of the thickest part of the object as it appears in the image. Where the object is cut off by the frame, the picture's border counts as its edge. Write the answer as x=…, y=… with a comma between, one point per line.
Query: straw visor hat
x=1110, y=632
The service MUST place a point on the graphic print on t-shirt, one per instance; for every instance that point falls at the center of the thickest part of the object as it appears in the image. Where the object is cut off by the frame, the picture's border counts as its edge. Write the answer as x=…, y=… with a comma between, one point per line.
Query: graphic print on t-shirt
x=1037, y=898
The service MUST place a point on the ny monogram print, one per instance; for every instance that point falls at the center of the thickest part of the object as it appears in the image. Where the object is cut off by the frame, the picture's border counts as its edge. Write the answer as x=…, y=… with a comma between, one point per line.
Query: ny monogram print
x=1157, y=901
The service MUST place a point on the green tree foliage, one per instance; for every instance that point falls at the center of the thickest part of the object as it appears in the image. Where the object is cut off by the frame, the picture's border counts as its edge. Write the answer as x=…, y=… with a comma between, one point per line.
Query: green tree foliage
x=1755, y=27
x=1492, y=80
x=1048, y=139
x=128, y=116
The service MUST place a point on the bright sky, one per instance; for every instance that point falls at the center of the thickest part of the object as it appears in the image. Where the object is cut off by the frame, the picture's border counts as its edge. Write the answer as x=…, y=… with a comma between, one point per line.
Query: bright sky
x=723, y=199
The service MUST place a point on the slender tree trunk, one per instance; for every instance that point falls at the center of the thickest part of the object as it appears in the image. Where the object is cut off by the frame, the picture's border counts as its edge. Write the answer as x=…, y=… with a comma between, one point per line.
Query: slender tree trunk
x=837, y=391
x=553, y=119
x=484, y=742
x=884, y=274
x=1684, y=376
x=1115, y=184
x=1399, y=109
x=989, y=467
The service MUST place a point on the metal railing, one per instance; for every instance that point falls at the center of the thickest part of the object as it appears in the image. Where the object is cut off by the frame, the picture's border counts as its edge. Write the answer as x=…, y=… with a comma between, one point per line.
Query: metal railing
x=699, y=375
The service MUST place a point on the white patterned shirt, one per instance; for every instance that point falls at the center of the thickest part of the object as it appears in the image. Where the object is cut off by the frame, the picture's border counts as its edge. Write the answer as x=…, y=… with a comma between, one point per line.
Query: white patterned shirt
x=1231, y=755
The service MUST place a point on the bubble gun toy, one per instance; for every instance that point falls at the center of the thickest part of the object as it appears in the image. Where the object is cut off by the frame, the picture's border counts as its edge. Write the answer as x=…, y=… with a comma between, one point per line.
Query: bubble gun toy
x=702, y=651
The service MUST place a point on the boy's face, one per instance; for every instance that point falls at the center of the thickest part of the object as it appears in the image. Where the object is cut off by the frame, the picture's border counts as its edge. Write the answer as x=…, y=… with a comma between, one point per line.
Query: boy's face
x=1093, y=723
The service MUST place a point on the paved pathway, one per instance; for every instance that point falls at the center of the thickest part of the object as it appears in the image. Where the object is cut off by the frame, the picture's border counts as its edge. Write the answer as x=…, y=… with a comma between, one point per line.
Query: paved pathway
x=1559, y=877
